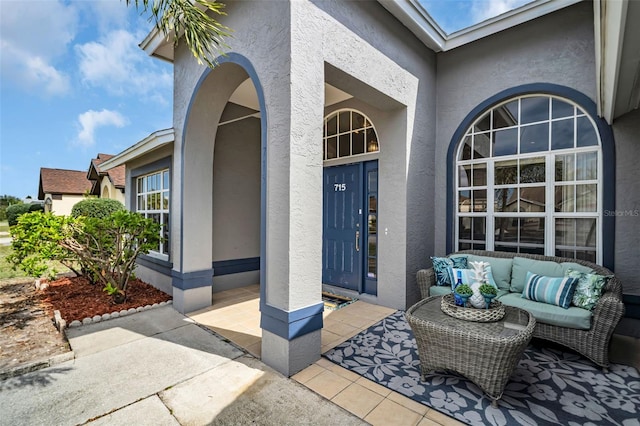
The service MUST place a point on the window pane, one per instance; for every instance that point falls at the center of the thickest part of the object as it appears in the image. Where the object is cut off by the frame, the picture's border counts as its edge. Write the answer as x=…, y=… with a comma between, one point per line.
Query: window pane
x=505, y=115
x=479, y=230
x=464, y=175
x=505, y=200
x=532, y=199
x=565, y=168
x=464, y=201
x=483, y=124
x=586, y=198
x=140, y=185
x=481, y=146
x=141, y=203
x=586, y=166
x=150, y=202
x=534, y=138
x=586, y=132
x=506, y=172
x=372, y=271
x=372, y=141
x=358, y=142
x=532, y=230
x=344, y=121
x=332, y=148
x=465, y=152
x=532, y=170
x=165, y=176
x=165, y=200
x=464, y=246
x=586, y=232
x=561, y=109
x=480, y=200
x=332, y=126
x=345, y=145
x=464, y=228
x=534, y=109
x=562, y=134
x=506, y=229
x=372, y=224
x=480, y=174
x=505, y=142
x=565, y=198
x=372, y=182
x=165, y=233
x=589, y=256
x=565, y=232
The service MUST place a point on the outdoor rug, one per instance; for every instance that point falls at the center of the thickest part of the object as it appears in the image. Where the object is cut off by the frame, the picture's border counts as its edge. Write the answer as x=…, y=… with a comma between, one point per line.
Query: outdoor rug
x=548, y=386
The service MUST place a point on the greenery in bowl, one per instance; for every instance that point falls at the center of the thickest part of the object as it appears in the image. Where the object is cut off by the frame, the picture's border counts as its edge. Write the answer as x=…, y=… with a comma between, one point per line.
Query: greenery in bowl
x=488, y=289
x=464, y=290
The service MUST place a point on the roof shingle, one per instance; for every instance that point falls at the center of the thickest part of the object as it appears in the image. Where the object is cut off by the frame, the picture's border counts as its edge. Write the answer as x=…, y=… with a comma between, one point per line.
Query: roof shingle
x=60, y=181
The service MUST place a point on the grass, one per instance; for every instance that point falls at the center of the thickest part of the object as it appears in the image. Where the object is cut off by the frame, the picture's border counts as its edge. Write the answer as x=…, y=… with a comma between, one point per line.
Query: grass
x=6, y=268
x=4, y=226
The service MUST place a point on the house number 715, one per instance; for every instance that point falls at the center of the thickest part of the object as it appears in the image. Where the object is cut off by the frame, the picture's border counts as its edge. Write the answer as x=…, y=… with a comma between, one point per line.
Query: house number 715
x=339, y=187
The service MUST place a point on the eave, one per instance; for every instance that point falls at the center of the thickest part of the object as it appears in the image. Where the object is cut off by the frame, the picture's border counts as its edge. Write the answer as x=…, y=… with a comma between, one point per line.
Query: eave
x=151, y=143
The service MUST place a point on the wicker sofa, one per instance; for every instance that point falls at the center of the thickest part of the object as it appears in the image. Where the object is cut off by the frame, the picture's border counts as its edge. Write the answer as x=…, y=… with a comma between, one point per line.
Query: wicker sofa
x=593, y=343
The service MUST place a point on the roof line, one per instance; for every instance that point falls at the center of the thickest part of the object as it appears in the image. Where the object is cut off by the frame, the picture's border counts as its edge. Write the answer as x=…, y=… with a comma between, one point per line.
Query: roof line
x=152, y=142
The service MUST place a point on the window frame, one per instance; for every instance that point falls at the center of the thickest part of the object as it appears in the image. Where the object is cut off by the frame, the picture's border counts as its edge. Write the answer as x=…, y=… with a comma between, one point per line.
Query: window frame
x=345, y=159
x=164, y=188
x=606, y=162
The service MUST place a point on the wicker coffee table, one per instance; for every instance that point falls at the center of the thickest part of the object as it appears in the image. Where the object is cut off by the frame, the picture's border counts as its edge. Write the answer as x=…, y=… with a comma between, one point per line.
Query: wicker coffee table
x=484, y=352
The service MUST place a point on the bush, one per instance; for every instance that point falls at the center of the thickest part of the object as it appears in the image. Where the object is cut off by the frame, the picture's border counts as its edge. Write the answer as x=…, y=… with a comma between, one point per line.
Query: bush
x=15, y=211
x=99, y=208
x=36, y=207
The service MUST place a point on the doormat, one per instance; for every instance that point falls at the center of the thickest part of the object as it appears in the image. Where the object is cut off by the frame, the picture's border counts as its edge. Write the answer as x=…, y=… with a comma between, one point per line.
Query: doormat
x=548, y=387
x=335, y=301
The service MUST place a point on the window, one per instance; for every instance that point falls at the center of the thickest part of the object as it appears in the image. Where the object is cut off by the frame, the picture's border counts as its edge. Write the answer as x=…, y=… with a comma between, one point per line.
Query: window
x=529, y=180
x=152, y=201
x=348, y=133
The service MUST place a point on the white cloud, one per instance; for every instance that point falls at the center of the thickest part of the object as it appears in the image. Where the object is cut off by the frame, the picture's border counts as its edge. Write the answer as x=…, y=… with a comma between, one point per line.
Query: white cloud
x=485, y=9
x=31, y=40
x=117, y=64
x=91, y=120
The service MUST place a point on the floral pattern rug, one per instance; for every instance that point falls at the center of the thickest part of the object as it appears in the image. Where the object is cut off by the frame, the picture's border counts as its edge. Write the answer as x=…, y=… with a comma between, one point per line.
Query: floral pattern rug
x=548, y=386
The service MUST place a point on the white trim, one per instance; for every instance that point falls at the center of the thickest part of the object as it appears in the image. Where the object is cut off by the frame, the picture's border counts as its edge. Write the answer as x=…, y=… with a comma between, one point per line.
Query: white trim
x=152, y=142
x=418, y=21
x=609, y=25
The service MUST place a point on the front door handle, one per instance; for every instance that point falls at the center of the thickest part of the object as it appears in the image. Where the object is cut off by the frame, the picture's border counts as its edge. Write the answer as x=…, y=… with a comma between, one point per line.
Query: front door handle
x=357, y=240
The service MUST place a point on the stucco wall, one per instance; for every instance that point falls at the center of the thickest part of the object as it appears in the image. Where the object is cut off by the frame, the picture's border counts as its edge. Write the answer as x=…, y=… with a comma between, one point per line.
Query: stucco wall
x=626, y=130
x=236, y=191
x=364, y=51
x=63, y=207
x=114, y=193
x=557, y=49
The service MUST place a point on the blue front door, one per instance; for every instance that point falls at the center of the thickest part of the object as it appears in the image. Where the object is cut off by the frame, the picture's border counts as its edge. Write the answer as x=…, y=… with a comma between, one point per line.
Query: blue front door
x=342, y=222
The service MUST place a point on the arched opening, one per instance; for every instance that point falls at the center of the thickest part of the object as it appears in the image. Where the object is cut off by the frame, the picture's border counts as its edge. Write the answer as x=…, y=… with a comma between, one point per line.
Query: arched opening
x=105, y=192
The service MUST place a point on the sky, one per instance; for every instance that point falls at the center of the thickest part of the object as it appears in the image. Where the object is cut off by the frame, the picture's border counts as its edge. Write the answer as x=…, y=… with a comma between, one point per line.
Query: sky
x=74, y=83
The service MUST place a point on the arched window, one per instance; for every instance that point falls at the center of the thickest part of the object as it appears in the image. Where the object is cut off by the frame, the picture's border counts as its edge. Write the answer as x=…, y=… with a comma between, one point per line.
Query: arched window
x=529, y=180
x=347, y=133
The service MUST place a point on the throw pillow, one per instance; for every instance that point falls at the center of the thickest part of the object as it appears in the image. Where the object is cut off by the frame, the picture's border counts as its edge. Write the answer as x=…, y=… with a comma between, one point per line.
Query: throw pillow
x=467, y=276
x=552, y=290
x=589, y=288
x=441, y=268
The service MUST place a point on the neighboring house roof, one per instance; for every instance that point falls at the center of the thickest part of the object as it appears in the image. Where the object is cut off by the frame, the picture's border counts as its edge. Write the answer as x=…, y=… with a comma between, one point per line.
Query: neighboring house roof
x=61, y=181
x=116, y=175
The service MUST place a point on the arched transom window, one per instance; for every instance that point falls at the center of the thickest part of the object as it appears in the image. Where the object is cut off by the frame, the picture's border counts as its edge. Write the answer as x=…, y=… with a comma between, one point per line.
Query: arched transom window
x=348, y=133
x=529, y=180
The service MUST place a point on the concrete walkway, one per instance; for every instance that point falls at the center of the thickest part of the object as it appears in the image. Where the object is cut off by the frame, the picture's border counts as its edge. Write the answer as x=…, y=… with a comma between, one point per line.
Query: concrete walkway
x=158, y=367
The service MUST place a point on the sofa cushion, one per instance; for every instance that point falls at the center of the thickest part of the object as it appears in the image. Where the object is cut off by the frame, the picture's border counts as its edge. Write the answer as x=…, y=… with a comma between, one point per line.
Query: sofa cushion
x=553, y=290
x=589, y=288
x=500, y=269
x=576, y=267
x=439, y=290
x=523, y=265
x=573, y=317
x=441, y=268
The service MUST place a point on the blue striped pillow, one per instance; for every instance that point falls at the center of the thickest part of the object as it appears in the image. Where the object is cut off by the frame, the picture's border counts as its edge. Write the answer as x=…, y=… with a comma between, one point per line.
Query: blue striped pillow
x=553, y=290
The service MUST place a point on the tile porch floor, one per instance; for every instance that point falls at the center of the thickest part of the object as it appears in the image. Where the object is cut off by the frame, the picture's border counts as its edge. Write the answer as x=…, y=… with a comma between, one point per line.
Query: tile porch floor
x=235, y=315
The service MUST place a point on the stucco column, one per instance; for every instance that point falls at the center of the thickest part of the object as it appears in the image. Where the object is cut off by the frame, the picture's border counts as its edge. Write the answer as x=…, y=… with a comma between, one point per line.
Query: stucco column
x=291, y=304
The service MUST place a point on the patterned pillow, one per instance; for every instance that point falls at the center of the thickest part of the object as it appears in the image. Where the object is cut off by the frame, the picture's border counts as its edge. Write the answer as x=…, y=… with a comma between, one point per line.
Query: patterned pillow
x=589, y=288
x=553, y=290
x=441, y=268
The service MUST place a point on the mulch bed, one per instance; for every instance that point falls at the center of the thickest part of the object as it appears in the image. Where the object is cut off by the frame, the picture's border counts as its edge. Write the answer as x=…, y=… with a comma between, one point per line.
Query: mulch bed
x=77, y=299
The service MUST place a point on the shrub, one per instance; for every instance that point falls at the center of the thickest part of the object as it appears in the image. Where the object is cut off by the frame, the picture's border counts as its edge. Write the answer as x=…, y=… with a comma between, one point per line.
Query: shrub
x=100, y=208
x=15, y=211
x=36, y=207
x=104, y=247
